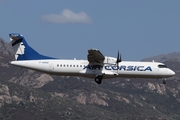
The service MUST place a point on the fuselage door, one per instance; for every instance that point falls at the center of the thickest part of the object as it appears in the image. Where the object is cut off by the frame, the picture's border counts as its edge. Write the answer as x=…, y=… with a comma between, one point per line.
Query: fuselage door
x=51, y=67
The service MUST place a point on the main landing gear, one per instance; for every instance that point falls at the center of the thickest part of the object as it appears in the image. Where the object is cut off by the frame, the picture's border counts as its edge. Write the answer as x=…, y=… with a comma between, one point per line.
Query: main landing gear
x=98, y=79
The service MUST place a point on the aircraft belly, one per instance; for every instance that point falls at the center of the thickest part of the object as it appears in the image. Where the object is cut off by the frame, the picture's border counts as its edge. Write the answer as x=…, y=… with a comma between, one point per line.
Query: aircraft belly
x=139, y=74
x=73, y=74
x=132, y=76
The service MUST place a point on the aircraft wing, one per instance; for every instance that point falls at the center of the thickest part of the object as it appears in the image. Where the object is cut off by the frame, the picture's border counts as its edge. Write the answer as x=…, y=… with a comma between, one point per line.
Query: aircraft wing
x=95, y=56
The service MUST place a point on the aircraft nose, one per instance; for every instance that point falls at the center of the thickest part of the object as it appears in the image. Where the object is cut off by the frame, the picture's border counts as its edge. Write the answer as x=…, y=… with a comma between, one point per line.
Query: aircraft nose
x=172, y=72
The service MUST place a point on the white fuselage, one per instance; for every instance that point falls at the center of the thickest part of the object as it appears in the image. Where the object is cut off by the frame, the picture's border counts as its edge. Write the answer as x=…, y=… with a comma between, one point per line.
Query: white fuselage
x=126, y=69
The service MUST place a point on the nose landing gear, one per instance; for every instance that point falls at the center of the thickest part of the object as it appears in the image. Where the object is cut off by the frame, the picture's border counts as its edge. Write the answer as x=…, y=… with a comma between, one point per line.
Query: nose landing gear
x=164, y=81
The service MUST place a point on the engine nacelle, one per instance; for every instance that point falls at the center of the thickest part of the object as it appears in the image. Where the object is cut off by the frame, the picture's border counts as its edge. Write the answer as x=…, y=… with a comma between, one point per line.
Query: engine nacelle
x=110, y=60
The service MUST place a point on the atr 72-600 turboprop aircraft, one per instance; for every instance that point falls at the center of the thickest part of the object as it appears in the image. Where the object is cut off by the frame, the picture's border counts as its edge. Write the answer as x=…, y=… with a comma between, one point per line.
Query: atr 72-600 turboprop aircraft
x=96, y=66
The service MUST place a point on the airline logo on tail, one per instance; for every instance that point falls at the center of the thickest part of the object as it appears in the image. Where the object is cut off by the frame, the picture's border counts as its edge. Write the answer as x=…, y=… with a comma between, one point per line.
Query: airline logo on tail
x=23, y=50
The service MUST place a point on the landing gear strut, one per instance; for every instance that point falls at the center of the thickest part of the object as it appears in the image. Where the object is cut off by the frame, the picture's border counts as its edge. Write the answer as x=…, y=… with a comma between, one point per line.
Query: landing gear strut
x=98, y=79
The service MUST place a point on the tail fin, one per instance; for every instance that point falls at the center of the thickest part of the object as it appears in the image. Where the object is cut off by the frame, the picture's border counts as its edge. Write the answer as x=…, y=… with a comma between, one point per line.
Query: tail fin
x=22, y=50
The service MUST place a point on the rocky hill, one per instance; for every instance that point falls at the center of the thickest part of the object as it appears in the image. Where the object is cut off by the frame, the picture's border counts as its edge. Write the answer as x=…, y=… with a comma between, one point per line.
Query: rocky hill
x=30, y=95
x=5, y=48
x=163, y=57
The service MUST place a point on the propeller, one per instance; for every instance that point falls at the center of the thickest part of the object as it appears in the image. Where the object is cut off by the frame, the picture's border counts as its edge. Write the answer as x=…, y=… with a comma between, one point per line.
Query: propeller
x=118, y=60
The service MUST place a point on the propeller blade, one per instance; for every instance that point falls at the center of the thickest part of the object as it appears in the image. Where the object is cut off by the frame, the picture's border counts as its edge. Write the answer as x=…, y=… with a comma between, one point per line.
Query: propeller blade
x=118, y=59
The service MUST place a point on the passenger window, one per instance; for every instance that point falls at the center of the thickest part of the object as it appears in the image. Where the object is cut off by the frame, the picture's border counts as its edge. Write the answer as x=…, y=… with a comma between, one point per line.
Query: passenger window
x=73, y=65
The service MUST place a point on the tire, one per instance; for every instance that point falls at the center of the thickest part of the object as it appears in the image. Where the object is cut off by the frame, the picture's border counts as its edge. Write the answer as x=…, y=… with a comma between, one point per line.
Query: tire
x=164, y=82
x=98, y=79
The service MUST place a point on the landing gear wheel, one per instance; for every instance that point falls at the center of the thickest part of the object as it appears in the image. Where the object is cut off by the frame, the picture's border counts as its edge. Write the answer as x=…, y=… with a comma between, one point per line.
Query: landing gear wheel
x=98, y=79
x=164, y=81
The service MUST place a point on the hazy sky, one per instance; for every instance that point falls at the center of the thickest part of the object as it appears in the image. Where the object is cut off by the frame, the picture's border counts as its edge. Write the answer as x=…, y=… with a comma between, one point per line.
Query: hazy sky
x=68, y=28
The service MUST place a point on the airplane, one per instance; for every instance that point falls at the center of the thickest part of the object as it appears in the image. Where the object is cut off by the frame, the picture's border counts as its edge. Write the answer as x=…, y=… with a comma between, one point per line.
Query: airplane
x=96, y=66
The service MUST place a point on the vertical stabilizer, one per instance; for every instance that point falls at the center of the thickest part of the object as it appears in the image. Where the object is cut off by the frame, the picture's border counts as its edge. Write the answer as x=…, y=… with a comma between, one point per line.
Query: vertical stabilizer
x=22, y=50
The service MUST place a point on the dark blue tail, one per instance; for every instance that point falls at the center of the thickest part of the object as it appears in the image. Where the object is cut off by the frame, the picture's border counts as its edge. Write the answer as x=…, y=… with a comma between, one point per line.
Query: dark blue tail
x=23, y=50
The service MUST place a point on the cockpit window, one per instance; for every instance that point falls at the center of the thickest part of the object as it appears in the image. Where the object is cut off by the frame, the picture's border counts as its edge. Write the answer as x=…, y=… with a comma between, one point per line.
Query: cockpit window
x=162, y=66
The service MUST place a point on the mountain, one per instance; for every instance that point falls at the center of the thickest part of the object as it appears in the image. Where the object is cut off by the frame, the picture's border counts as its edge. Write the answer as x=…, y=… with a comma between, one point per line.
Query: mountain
x=30, y=95
x=163, y=57
x=5, y=48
